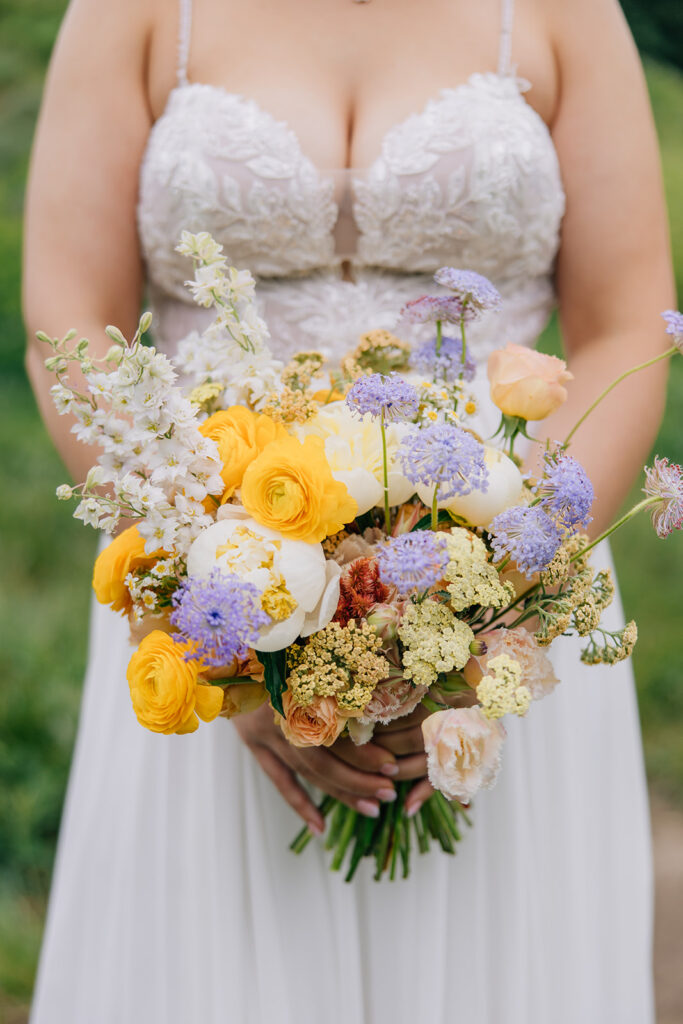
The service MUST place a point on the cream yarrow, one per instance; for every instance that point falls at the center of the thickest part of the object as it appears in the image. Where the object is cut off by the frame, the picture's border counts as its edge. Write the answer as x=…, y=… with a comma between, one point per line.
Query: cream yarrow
x=501, y=691
x=434, y=640
x=471, y=579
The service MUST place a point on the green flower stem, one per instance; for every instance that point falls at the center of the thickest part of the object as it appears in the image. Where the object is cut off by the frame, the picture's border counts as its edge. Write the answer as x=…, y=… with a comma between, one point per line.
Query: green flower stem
x=304, y=837
x=344, y=838
x=439, y=338
x=385, y=471
x=448, y=815
x=634, y=369
x=645, y=503
x=336, y=826
x=435, y=508
x=421, y=832
x=383, y=845
x=366, y=829
x=463, y=354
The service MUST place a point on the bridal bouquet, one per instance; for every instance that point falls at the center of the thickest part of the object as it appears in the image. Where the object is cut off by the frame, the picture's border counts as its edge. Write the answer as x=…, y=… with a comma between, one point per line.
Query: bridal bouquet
x=339, y=540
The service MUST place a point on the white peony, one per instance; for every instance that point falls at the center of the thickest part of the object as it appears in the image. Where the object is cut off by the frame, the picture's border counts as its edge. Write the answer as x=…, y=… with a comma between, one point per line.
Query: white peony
x=299, y=588
x=479, y=507
x=353, y=447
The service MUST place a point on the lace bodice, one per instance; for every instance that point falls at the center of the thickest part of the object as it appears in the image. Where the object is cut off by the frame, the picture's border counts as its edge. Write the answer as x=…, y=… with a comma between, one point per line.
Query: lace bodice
x=472, y=180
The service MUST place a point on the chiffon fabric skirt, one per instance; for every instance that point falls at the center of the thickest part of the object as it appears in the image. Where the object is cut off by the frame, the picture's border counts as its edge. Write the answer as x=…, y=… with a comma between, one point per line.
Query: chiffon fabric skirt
x=176, y=901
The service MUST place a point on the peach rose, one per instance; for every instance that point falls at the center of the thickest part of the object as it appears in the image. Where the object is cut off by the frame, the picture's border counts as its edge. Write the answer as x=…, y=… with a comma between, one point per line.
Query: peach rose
x=393, y=698
x=538, y=673
x=166, y=690
x=317, y=724
x=240, y=435
x=463, y=751
x=527, y=383
x=125, y=554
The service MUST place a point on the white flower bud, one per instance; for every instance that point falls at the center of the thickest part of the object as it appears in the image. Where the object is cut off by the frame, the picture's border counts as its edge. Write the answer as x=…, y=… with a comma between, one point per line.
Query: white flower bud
x=64, y=492
x=115, y=334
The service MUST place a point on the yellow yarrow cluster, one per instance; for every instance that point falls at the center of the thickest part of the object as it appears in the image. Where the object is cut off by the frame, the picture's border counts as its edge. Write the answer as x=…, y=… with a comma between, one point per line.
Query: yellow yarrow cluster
x=206, y=395
x=300, y=371
x=380, y=351
x=470, y=577
x=622, y=643
x=501, y=692
x=434, y=640
x=594, y=599
x=344, y=662
x=291, y=405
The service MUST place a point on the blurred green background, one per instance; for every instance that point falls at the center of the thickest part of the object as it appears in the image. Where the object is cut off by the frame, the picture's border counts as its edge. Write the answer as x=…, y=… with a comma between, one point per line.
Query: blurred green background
x=47, y=556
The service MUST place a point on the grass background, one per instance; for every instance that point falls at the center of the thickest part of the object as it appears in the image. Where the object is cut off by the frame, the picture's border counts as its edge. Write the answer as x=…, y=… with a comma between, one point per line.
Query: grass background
x=47, y=556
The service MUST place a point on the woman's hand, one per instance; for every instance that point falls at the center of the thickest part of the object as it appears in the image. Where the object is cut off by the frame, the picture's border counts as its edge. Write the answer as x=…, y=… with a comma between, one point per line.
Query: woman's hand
x=358, y=776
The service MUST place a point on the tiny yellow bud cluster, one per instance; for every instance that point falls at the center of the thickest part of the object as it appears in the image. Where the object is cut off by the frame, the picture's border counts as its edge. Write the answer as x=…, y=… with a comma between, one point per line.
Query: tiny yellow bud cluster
x=339, y=661
x=434, y=640
x=380, y=351
x=470, y=577
x=291, y=405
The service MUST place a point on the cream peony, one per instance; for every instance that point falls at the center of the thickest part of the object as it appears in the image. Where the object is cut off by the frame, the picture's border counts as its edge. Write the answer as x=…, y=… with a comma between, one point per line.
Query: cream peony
x=353, y=447
x=527, y=383
x=463, y=751
x=479, y=507
x=299, y=588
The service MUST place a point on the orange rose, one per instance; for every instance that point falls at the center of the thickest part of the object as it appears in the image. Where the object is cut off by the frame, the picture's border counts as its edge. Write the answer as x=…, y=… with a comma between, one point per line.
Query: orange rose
x=318, y=724
x=526, y=383
x=290, y=488
x=240, y=436
x=125, y=554
x=166, y=690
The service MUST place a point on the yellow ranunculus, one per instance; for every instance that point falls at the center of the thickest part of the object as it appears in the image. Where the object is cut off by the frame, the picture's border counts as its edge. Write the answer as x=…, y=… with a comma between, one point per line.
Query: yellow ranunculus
x=166, y=690
x=290, y=488
x=125, y=554
x=240, y=435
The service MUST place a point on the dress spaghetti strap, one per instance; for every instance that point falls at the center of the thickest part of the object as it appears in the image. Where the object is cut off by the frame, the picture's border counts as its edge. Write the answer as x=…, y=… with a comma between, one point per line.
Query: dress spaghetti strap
x=505, y=45
x=184, y=35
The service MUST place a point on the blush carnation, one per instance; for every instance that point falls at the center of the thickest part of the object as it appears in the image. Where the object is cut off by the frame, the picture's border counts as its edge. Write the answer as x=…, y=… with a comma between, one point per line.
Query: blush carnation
x=463, y=751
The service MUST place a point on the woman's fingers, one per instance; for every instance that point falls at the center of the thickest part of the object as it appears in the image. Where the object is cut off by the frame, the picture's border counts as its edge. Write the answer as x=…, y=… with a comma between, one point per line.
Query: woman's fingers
x=325, y=770
x=413, y=767
x=414, y=718
x=402, y=742
x=417, y=796
x=369, y=757
x=285, y=781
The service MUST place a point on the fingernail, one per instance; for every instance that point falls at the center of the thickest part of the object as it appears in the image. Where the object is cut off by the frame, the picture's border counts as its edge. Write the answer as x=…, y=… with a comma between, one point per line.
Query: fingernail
x=316, y=828
x=367, y=808
x=386, y=795
x=390, y=768
x=413, y=809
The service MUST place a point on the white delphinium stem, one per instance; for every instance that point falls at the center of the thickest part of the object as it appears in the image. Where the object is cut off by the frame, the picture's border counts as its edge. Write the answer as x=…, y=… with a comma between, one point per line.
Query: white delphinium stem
x=154, y=465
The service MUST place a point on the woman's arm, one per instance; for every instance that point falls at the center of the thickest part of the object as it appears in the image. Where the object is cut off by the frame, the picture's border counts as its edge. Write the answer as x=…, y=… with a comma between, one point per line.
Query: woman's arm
x=614, y=274
x=81, y=254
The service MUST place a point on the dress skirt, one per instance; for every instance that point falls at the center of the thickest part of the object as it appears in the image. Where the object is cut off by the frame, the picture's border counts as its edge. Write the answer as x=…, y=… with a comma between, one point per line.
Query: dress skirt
x=176, y=901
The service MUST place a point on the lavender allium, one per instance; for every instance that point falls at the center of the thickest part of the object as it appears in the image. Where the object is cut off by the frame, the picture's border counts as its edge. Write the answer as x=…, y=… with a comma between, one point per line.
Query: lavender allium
x=674, y=327
x=473, y=290
x=413, y=561
x=566, y=492
x=377, y=394
x=446, y=365
x=528, y=535
x=664, y=480
x=430, y=308
x=447, y=456
x=220, y=616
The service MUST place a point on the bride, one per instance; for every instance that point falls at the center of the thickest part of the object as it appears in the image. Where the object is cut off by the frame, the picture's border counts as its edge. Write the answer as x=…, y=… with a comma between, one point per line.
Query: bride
x=343, y=151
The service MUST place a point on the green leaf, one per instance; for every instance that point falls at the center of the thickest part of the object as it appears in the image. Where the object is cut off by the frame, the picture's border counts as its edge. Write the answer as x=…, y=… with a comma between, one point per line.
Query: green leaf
x=275, y=668
x=426, y=522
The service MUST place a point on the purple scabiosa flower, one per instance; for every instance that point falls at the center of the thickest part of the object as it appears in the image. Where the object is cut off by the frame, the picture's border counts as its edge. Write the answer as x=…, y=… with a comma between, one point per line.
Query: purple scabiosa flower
x=447, y=456
x=674, y=327
x=413, y=561
x=528, y=535
x=220, y=616
x=473, y=290
x=446, y=365
x=377, y=394
x=430, y=308
x=664, y=480
x=565, y=491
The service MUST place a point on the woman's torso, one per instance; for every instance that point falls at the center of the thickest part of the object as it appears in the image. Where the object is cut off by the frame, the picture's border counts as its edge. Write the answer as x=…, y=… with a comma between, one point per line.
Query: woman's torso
x=470, y=179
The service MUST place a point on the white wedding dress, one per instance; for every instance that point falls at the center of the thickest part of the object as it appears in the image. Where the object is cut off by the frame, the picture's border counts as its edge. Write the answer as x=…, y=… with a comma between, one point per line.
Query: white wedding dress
x=175, y=899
